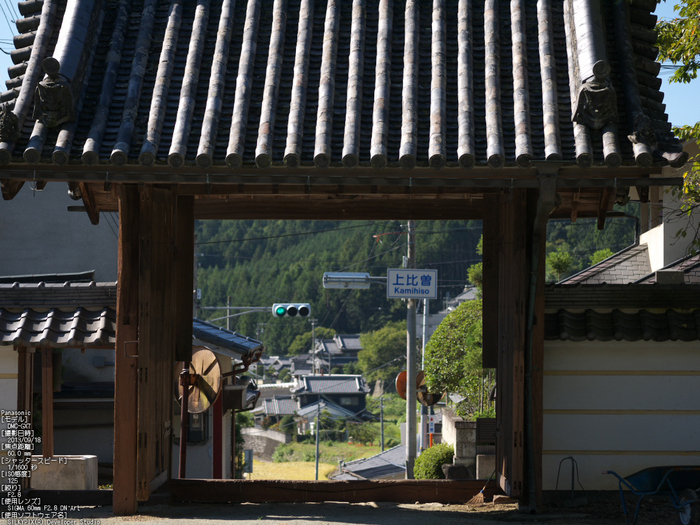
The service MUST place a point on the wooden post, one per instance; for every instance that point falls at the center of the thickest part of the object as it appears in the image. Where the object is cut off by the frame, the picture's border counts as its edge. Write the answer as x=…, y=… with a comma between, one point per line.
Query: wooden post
x=47, y=402
x=218, y=414
x=537, y=376
x=126, y=355
x=512, y=311
x=184, y=283
x=490, y=280
x=25, y=389
x=157, y=276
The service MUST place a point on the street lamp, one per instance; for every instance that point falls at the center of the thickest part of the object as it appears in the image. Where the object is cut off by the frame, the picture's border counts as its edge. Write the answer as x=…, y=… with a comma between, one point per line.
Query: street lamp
x=350, y=280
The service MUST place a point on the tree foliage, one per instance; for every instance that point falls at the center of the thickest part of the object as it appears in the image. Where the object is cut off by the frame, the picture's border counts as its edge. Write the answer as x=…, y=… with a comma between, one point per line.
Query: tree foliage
x=302, y=342
x=429, y=464
x=600, y=255
x=679, y=43
x=453, y=357
x=379, y=348
x=560, y=262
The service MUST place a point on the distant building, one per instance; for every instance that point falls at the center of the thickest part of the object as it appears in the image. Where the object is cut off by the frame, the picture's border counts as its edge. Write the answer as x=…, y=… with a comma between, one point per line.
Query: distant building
x=336, y=352
x=347, y=391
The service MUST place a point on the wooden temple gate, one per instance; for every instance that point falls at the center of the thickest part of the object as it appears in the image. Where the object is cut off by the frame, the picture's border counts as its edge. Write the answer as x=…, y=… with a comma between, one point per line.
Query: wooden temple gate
x=509, y=112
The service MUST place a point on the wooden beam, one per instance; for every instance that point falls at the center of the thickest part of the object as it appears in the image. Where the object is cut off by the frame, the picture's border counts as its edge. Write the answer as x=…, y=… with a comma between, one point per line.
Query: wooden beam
x=184, y=282
x=537, y=374
x=25, y=389
x=574, y=204
x=397, y=491
x=126, y=355
x=47, y=402
x=513, y=285
x=89, y=202
x=490, y=281
x=603, y=206
x=10, y=188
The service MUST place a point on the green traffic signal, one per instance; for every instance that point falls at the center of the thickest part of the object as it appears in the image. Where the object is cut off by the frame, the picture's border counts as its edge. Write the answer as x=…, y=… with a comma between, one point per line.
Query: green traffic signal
x=291, y=309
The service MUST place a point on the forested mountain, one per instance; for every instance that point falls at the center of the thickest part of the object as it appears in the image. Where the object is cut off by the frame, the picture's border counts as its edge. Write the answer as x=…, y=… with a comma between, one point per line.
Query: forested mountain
x=258, y=263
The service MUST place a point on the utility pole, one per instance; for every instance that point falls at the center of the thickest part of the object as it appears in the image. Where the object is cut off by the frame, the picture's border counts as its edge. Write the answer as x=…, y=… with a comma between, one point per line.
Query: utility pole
x=424, y=409
x=381, y=417
x=313, y=346
x=228, y=319
x=411, y=361
x=318, y=420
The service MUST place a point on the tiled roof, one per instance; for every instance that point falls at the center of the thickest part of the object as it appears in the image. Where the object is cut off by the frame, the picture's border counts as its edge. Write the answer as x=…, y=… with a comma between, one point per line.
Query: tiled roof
x=349, y=342
x=58, y=295
x=628, y=296
x=335, y=384
x=279, y=406
x=58, y=328
x=257, y=83
x=624, y=267
x=334, y=410
x=388, y=463
x=690, y=266
x=618, y=325
x=223, y=339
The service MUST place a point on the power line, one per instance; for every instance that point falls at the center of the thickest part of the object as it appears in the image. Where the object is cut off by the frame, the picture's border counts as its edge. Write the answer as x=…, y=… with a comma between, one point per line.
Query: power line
x=285, y=235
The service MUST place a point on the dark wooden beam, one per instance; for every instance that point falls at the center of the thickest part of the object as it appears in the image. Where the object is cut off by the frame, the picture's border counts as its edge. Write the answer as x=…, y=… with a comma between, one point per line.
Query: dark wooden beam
x=10, y=188
x=184, y=282
x=491, y=210
x=537, y=373
x=47, y=402
x=89, y=202
x=512, y=310
x=25, y=388
x=603, y=206
x=397, y=491
x=126, y=355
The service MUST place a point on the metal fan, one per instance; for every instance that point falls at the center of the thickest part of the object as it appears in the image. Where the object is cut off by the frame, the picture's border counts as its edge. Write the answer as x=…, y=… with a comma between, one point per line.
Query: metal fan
x=205, y=380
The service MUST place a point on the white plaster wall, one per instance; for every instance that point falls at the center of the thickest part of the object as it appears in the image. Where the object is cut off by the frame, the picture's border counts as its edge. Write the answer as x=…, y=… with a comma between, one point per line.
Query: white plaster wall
x=81, y=366
x=8, y=392
x=619, y=406
x=46, y=238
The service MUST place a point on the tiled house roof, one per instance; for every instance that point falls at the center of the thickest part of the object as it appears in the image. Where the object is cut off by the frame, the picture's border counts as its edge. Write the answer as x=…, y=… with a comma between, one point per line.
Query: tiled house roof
x=690, y=266
x=279, y=406
x=624, y=267
x=335, y=384
x=258, y=83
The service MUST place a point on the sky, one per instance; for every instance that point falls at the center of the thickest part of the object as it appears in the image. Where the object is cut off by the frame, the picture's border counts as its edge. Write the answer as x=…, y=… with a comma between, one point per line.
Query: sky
x=682, y=100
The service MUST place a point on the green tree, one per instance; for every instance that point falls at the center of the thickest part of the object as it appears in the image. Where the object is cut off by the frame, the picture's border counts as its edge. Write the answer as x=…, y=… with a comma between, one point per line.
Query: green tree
x=378, y=348
x=453, y=358
x=560, y=262
x=601, y=255
x=302, y=343
x=679, y=44
x=285, y=375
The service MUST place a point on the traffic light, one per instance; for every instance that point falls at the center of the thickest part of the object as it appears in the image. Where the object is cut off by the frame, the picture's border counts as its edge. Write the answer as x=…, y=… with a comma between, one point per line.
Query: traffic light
x=291, y=309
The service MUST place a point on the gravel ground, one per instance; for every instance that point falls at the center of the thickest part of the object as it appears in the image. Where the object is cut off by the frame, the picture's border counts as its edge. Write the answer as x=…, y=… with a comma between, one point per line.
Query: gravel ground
x=331, y=513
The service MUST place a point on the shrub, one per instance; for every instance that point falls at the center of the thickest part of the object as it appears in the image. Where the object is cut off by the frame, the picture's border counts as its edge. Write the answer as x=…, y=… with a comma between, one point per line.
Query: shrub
x=429, y=464
x=282, y=454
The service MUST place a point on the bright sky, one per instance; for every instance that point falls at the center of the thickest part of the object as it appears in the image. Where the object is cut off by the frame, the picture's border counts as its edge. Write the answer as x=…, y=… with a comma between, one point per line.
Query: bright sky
x=682, y=100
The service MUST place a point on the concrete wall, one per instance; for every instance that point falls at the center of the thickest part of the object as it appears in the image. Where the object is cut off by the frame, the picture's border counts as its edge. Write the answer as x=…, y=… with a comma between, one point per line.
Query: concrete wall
x=8, y=392
x=461, y=435
x=264, y=442
x=619, y=406
x=39, y=235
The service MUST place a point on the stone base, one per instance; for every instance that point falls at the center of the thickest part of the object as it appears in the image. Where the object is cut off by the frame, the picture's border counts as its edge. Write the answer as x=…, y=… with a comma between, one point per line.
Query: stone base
x=485, y=465
x=64, y=473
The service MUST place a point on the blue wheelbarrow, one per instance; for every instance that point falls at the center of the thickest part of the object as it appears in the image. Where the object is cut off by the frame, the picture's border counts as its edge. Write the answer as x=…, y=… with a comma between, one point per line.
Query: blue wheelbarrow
x=681, y=484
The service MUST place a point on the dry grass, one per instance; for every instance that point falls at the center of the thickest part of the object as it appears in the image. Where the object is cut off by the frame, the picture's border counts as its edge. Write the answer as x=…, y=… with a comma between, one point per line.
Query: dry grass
x=301, y=470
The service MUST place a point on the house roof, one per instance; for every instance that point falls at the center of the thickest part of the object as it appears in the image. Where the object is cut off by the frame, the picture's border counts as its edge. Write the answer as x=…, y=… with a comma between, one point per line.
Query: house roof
x=620, y=325
x=279, y=406
x=332, y=384
x=388, y=463
x=58, y=328
x=625, y=266
x=463, y=84
x=626, y=296
x=224, y=341
x=46, y=295
x=690, y=266
x=334, y=410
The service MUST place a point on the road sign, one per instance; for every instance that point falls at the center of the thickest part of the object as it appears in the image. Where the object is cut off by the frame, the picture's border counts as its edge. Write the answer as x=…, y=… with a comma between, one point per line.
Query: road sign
x=411, y=283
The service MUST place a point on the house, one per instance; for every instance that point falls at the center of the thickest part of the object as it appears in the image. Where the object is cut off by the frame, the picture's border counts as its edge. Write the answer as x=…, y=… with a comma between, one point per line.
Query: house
x=385, y=465
x=273, y=409
x=622, y=359
x=510, y=113
x=306, y=416
x=335, y=352
x=346, y=391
